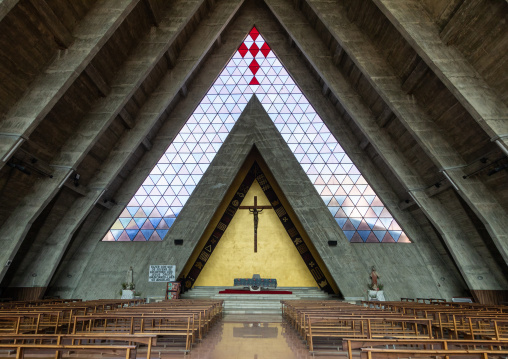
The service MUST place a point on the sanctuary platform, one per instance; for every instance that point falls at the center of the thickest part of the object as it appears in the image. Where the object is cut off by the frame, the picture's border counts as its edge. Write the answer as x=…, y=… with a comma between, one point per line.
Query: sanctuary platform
x=260, y=304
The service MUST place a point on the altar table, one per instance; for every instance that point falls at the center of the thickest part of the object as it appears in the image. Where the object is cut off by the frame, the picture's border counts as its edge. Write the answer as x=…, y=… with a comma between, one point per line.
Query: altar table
x=256, y=283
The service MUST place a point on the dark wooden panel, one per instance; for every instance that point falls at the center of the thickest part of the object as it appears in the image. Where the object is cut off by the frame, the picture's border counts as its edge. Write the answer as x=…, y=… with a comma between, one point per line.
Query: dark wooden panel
x=492, y=297
x=25, y=293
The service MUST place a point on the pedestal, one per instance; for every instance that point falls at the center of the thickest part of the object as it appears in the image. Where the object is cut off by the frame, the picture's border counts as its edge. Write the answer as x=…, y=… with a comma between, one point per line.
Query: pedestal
x=127, y=294
x=376, y=295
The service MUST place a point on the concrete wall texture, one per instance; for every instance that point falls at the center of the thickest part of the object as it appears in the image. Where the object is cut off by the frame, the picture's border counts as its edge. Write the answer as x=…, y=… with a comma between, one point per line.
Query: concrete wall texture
x=414, y=91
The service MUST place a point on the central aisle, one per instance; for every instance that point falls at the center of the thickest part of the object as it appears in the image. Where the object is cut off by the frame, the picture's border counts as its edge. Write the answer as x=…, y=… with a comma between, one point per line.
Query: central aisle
x=252, y=327
x=251, y=337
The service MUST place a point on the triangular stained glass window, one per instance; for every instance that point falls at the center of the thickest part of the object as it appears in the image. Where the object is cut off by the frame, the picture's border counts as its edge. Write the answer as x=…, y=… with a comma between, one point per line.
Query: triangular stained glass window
x=255, y=69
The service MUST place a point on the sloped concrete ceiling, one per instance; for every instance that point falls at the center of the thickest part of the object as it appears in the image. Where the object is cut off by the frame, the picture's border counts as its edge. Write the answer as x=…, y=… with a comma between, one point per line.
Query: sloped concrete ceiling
x=418, y=108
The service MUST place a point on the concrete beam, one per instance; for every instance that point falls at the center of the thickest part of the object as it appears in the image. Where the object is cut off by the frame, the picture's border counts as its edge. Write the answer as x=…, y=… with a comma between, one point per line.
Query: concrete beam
x=171, y=56
x=452, y=68
x=105, y=203
x=325, y=90
x=98, y=80
x=318, y=56
x=438, y=188
x=338, y=54
x=383, y=79
x=364, y=144
x=127, y=119
x=415, y=77
x=385, y=117
x=404, y=205
x=46, y=90
x=147, y=144
x=184, y=90
x=72, y=186
x=155, y=12
x=502, y=144
x=190, y=58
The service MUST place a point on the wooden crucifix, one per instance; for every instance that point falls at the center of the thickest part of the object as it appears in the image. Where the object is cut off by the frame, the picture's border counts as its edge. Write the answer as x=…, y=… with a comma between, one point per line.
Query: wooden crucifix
x=255, y=210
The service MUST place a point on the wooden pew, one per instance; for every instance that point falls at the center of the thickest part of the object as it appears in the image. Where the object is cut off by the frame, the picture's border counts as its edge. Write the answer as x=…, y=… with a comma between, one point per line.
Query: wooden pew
x=164, y=325
x=21, y=349
x=179, y=320
x=29, y=322
x=150, y=340
x=353, y=343
x=371, y=353
x=338, y=328
x=326, y=322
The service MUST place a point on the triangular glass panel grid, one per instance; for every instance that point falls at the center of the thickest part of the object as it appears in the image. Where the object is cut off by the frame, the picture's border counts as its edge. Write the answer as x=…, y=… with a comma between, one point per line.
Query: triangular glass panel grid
x=254, y=69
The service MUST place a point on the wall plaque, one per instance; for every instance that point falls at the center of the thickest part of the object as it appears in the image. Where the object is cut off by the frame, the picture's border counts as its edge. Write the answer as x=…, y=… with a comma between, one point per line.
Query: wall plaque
x=162, y=273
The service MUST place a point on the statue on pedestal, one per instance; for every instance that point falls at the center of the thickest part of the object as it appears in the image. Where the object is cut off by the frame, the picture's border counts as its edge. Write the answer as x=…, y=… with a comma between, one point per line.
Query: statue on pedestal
x=374, y=277
x=130, y=276
x=375, y=289
x=128, y=286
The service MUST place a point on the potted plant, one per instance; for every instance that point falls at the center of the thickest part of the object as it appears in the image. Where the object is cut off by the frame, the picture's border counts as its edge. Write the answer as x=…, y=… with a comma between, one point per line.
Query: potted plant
x=377, y=288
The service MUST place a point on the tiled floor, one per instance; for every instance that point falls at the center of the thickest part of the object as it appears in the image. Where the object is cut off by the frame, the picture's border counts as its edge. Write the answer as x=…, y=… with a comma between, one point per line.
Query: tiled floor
x=250, y=337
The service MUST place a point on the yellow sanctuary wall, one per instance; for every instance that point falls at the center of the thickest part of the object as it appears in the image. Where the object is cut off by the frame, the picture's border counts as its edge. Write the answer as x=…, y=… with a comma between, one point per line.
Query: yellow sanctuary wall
x=276, y=257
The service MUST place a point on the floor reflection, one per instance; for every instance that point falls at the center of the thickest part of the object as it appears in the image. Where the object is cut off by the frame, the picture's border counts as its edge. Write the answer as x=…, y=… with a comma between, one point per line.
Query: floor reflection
x=250, y=337
x=256, y=330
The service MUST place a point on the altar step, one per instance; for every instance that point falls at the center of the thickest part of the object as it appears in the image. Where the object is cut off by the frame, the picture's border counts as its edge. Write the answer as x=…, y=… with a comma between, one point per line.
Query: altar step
x=255, y=303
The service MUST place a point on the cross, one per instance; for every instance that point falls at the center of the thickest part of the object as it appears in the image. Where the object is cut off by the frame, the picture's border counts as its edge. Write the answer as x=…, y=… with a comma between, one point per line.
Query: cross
x=255, y=210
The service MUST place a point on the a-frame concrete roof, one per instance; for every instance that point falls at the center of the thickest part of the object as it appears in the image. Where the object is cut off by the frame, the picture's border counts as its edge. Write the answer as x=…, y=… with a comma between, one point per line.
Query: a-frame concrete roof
x=399, y=83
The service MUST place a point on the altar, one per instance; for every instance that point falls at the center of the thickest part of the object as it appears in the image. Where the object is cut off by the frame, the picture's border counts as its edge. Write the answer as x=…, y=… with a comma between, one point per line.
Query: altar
x=256, y=282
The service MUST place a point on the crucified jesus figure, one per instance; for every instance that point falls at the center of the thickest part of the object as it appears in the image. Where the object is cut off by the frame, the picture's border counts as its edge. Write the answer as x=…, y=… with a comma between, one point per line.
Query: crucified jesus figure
x=255, y=210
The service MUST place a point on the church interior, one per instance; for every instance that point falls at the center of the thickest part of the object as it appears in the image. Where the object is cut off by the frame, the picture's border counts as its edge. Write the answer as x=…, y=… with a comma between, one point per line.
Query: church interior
x=253, y=178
